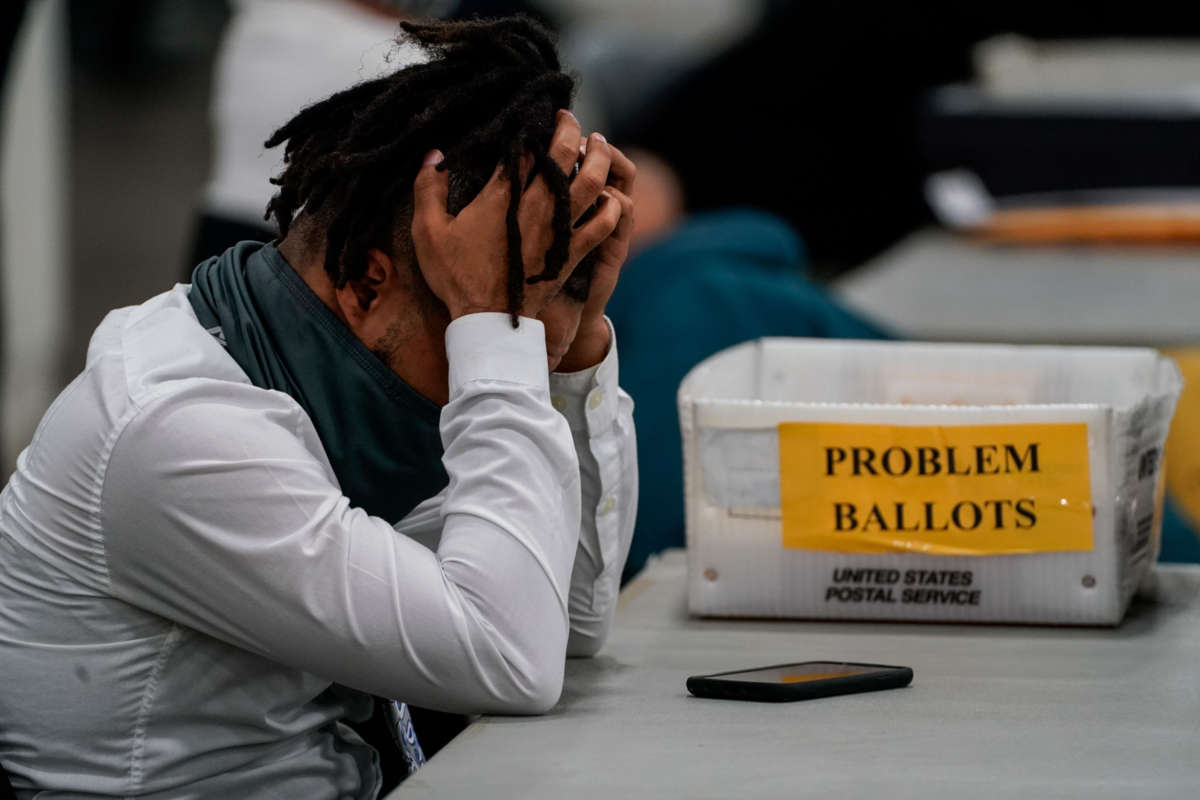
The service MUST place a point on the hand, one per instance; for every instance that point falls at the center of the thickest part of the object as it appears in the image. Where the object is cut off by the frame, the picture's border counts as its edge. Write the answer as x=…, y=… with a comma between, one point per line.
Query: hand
x=463, y=258
x=592, y=338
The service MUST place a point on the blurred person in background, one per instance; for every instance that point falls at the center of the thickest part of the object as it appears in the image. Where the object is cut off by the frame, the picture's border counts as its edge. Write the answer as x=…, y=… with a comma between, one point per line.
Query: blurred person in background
x=387, y=454
x=694, y=286
x=280, y=55
x=277, y=56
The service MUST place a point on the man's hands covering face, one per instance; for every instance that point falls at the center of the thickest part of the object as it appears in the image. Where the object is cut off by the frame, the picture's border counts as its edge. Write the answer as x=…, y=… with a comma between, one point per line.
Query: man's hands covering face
x=463, y=257
x=601, y=162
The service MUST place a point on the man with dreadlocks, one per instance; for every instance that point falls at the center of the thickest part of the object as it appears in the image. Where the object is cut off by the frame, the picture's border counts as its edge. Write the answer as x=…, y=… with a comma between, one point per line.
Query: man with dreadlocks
x=386, y=455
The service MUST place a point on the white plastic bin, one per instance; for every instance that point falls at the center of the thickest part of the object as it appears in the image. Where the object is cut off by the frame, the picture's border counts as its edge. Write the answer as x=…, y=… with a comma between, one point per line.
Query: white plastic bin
x=990, y=537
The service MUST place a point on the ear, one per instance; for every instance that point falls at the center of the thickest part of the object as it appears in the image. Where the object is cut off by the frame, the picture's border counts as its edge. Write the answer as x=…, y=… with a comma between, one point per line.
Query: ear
x=360, y=297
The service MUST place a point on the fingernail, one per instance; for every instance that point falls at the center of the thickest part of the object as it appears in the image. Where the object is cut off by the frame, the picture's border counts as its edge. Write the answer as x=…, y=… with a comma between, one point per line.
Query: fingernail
x=567, y=112
x=433, y=157
x=600, y=136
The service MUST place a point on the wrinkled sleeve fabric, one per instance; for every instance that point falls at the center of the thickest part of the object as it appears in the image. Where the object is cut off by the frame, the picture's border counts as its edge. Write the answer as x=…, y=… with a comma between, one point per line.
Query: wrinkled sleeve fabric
x=221, y=513
x=600, y=416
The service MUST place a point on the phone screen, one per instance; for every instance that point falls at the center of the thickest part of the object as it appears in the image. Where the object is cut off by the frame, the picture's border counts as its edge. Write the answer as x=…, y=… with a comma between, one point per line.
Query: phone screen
x=799, y=673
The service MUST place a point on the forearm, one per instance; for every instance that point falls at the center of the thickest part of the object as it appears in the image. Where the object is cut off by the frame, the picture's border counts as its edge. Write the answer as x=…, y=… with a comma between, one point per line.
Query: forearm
x=606, y=530
x=600, y=416
x=508, y=536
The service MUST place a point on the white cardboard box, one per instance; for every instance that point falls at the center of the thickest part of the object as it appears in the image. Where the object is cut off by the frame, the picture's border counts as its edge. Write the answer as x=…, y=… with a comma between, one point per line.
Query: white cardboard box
x=731, y=407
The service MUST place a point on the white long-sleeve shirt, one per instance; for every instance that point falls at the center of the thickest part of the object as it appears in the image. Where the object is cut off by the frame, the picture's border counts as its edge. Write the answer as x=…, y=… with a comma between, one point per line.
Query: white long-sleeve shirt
x=184, y=590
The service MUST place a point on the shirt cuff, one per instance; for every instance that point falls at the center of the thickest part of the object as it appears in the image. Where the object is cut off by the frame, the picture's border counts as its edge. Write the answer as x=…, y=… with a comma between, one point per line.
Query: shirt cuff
x=485, y=346
x=588, y=398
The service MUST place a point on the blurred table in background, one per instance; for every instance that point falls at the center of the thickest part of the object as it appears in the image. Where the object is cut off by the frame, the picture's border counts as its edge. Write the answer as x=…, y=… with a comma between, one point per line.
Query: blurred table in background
x=994, y=711
x=940, y=286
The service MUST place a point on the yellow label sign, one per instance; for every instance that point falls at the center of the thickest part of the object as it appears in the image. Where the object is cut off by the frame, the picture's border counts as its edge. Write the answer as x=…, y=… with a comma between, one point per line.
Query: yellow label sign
x=939, y=490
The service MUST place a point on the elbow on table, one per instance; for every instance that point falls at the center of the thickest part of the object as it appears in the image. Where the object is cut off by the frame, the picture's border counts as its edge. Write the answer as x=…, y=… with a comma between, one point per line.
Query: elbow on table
x=535, y=691
x=585, y=644
x=514, y=649
x=544, y=697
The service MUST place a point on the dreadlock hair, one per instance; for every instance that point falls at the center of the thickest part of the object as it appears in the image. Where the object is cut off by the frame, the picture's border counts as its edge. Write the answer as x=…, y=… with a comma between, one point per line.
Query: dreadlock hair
x=487, y=95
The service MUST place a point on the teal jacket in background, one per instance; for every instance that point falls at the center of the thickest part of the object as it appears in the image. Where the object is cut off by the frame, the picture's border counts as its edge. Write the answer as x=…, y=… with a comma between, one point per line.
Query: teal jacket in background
x=721, y=279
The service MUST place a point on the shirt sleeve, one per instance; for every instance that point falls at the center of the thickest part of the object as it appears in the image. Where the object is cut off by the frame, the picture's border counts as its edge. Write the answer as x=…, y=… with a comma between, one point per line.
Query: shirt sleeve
x=220, y=512
x=600, y=416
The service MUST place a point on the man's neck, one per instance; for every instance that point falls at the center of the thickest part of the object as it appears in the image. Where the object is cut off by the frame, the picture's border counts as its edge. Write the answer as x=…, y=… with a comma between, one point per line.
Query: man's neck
x=417, y=353
x=420, y=360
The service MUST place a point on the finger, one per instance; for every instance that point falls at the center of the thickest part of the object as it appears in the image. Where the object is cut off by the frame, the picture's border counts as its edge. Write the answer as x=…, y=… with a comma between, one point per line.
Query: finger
x=431, y=189
x=613, y=250
x=623, y=171
x=582, y=154
x=587, y=236
x=537, y=200
x=624, y=230
x=526, y=167
x=564, y=145
x=593, y=174
x=497, y=189
x=493, y=197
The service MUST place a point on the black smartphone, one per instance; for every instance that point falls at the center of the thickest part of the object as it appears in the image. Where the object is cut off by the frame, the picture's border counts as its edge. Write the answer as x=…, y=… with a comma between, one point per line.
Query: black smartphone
x=804, y=681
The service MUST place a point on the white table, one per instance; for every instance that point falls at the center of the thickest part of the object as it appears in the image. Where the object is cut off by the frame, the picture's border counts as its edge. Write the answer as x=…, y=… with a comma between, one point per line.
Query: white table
x=994, y=711
x=938, y=286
